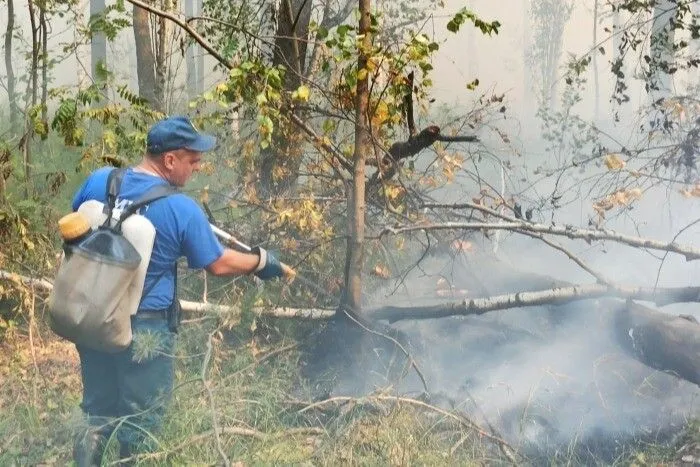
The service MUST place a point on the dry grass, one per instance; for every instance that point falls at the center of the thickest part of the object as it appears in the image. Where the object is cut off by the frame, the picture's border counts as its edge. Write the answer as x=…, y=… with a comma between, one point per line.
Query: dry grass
x=257, y=398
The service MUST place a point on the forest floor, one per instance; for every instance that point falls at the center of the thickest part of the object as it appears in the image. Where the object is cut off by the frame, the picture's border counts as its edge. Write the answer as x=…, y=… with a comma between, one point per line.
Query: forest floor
x=253, y=408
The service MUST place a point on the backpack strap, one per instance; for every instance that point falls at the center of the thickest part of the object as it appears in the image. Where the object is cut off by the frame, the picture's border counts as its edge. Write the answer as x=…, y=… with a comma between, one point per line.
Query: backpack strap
x=114, y=183
x=155, y=193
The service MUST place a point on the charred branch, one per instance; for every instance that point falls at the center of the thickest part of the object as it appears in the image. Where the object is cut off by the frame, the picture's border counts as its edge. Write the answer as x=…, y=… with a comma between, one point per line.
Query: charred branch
x=415, y=144
x=667, y=343
x=408, y=106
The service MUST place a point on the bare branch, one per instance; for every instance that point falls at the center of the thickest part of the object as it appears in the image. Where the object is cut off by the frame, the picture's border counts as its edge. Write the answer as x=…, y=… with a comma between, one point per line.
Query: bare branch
x=598, y=277
x=569, y=231
x=183, y=24
x=337, y=155
x=415, y=144
x=557, y=296
x=197, y=307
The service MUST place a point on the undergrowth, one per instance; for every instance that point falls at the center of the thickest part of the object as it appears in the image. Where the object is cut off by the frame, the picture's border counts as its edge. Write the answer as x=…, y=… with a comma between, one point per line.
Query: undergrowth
x=248, y=406
x=252, y=392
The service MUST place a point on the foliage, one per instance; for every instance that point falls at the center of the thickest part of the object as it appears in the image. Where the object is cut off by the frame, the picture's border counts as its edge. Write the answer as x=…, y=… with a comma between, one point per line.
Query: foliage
x=110, y=21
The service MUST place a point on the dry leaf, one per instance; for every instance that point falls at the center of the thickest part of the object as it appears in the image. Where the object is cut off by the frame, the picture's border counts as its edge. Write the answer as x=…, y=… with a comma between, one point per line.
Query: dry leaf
x=614, y=162
x=381, y=270
x=462, y=245
x=691, y=192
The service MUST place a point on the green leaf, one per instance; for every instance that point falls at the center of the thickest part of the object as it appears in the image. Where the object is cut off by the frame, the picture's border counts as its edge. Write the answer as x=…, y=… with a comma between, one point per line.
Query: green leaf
x=452, y=26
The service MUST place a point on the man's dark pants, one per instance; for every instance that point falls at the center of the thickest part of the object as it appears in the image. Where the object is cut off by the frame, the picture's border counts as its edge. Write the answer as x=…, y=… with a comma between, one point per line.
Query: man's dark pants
x=126, y=393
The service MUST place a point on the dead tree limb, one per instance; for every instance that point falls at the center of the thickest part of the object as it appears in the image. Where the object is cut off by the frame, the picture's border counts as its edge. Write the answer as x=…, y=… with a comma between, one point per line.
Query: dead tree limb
x=195, y=307
x=569, y=231
x=557, y=296
x=665, y=342
x=424, y=139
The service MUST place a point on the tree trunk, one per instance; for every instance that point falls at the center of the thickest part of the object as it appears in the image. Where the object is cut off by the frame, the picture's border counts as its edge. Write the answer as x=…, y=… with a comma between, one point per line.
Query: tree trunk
x=694, y=72
x=661, y=50
x=44, y=65
x=145, y=58
x=200, y=57
x=11, y=92
x=280, y=161
x=527, y=102
x=190, y=61
x=32, y=91
x=667, y=343
x=356, y=200
x=164, y=36
x=596, y=80
x=98, y=43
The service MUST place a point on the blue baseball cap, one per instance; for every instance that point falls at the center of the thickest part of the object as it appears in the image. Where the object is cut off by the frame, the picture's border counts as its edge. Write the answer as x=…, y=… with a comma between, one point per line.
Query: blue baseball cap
x=177, y=132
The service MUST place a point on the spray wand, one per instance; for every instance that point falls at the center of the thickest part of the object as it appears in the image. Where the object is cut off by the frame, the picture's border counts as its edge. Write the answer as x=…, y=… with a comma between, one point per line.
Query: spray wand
x=289, y=272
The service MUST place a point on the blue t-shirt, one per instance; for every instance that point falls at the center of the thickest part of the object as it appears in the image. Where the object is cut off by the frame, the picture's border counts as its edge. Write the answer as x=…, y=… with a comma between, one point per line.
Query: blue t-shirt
x=182, y=229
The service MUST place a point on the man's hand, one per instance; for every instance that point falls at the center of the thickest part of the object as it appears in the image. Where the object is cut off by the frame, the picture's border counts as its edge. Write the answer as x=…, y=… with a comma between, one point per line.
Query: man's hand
x=269, y=266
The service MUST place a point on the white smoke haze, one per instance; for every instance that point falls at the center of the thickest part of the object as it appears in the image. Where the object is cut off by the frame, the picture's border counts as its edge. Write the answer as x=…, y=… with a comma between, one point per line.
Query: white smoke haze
x=546, y=378
x=552, y=380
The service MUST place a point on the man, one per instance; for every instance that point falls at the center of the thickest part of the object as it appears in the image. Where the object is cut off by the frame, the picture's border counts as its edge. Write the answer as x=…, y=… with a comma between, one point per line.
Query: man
x=127, y=392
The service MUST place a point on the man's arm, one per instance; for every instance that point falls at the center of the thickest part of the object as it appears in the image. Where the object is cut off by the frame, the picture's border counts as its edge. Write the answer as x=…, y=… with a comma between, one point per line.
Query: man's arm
x=234, y=263
x=260, y=262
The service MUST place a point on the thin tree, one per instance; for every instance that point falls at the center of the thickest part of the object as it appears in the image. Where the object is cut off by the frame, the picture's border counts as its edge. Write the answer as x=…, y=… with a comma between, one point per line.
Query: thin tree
x=98, y=41
x=661, y=67
x=596, y=78
x=11, y=92
x=356, y=201
x=549, y=17
x=190, y=61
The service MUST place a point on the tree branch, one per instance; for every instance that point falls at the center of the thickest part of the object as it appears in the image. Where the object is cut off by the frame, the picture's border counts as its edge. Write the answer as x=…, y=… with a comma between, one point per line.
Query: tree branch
x=183, y=24
x=415, y=144
x=197, y=307
x=569, y=231
x=556, y=296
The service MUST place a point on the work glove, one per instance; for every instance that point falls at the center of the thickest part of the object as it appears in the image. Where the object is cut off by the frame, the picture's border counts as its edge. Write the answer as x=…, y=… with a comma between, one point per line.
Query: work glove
x=269, y=266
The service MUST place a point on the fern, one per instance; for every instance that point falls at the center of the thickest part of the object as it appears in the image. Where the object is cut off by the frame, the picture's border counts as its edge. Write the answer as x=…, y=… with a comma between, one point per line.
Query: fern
x=130, y=97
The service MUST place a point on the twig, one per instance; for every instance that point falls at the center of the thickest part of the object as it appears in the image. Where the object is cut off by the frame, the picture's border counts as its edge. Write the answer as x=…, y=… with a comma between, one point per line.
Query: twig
x=598, y=277
x=507, y=450
x=193, y=33
x=205, y=381
x=412, y=362
x=13, y=277
x=232, y=431
x=32, y=325
x=461, y=441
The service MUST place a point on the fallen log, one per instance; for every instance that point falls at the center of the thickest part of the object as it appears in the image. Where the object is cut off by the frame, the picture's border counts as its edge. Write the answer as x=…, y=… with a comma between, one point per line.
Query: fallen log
x=664, y=342
x=555, y=296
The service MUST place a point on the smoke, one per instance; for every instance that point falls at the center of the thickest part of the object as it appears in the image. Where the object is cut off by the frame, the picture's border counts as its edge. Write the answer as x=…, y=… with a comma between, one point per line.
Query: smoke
x=552, y=380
